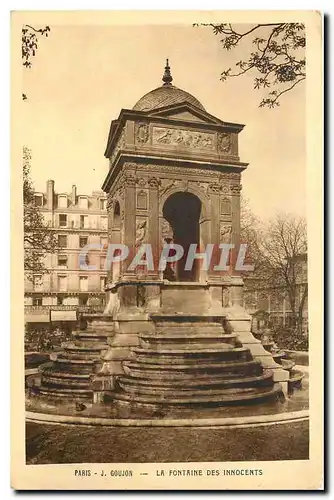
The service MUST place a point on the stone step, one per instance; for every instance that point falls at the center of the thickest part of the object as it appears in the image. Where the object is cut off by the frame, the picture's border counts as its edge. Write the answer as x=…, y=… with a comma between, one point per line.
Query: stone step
x=50, y=380
x=66, y=375
x=158, y=377
x=94, y=335
x=172, y=383
x=81, y=356
x=185, y=329
x=193, y=358
x=186, y=392
x=179, y=334
x=75, y=366
x=92, y=344
x=76, y=394
x=177, y=338
x=199, y=351
x=73, y=347
x=187, y=346
x=242, y=368
x=64, y=359
x=255, y=395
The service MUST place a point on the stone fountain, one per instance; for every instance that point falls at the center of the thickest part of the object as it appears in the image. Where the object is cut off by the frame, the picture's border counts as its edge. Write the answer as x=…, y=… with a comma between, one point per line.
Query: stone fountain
x=179, y=337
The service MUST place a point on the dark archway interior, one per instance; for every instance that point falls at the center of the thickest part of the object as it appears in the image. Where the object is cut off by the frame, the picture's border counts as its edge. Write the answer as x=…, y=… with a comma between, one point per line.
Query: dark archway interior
x=182, y=210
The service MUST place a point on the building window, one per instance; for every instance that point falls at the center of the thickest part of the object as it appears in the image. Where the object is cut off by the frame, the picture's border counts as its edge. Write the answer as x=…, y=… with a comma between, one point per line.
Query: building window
x=62, y=283
x=62, y=260
x=102, y=263
x=83, y=202
x=103, y=223
x=104, y=242
x=62, y=220
x=103, y=204
x=37, y=282
x=38, y=200
x=83, y=282
x=103, y=282
x=62, y=240
x=83, y=241
x=83, y=221
x=62, y=201
x=37, y=301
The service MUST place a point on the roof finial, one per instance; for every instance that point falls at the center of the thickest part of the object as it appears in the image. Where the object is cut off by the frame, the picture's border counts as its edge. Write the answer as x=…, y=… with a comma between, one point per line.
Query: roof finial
x=167, y=78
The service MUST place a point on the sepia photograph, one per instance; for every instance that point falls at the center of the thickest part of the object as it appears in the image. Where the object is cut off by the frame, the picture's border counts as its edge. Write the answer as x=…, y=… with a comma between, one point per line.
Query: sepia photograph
x=166, y=246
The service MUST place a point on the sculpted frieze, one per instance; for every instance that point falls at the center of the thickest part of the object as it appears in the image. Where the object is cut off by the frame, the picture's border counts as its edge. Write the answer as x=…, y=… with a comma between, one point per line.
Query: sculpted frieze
x=235, y=188
x=185, y=138
x=229, y=176
x=214, y=188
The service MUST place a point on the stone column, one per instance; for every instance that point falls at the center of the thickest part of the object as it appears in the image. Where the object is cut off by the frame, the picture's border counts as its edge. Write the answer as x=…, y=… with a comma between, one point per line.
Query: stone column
x=129, y=223
x=154, y=224
x=214, y=191
x=128, y=293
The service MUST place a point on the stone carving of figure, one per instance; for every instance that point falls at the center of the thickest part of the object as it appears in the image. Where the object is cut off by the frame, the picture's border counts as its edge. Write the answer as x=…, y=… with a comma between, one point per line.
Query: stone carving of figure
x=179, y=137
x=166, y=137
x=166, y=232
x=207, y=142
x=141, y=232
x=225, y=234
x=167, y=236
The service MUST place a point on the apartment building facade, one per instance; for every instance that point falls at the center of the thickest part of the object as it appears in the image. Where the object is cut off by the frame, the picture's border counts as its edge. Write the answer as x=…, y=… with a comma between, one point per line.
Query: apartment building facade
x=77, y=220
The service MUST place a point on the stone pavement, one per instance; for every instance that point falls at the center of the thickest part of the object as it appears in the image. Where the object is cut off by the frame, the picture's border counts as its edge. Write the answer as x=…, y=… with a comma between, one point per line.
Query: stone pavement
x=47, y=444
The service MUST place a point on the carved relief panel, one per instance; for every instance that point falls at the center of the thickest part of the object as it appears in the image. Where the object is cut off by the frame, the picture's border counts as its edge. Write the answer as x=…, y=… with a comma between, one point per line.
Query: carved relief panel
x=224, y=143
x=142, y=200
x=183, y=138
x=227, y=143
x=225, y=206
x=142, y=133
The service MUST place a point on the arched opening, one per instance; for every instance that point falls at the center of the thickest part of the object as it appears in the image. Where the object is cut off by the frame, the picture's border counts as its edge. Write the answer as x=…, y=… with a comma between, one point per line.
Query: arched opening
x=182, y=211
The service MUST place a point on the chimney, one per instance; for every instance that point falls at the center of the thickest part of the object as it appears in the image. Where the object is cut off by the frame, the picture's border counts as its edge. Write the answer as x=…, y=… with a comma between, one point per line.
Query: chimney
x=50, y=185
x=74, y=194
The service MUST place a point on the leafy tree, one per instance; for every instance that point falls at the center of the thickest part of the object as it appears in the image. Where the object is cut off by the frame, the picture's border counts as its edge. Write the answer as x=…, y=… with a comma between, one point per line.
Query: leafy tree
x=30, y=44
x=277, y=58
x=39, y=240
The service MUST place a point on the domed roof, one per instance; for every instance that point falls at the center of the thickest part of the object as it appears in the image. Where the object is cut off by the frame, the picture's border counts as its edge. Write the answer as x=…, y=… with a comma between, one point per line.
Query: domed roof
x=166, y=95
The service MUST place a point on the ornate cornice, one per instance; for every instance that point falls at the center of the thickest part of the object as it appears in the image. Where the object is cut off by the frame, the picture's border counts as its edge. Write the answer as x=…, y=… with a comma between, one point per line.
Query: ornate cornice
x=235, y=189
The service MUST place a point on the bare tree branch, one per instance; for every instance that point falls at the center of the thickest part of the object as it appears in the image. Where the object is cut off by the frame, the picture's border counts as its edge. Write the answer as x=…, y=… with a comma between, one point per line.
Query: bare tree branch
x=278, y=61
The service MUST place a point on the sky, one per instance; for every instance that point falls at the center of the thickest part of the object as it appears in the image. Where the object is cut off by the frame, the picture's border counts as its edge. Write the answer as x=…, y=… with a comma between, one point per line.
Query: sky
x=82, y=76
